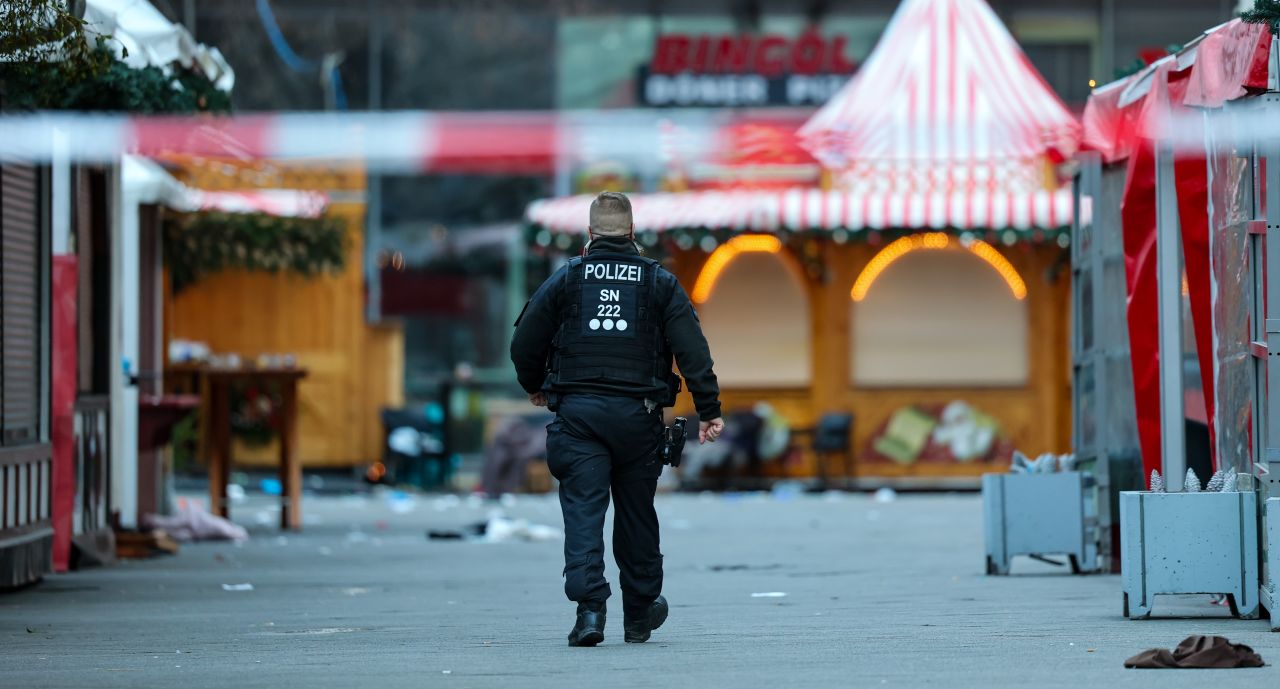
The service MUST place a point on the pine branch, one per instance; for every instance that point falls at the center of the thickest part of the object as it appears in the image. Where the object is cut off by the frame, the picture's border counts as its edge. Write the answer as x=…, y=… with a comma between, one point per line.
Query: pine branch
x=1264, y=12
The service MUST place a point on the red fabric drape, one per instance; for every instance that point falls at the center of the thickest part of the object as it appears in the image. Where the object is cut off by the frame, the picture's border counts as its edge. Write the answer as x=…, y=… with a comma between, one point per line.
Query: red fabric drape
x=1138, y=211
x=63, y=290
x=1192, y=177
x=1138, y=216
x=1230, y=63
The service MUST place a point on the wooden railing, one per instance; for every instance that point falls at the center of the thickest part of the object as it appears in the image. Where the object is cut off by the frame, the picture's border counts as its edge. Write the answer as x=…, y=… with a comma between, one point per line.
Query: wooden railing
x=26, y=527
x=93, y=465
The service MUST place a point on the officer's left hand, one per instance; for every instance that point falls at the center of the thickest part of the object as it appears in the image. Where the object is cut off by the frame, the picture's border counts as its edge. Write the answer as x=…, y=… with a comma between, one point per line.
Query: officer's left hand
x=538, y=399
x=709, y=431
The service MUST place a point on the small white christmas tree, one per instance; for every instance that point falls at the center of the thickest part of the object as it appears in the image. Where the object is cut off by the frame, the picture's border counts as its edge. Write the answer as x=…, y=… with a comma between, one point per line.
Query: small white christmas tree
x=1229, y=481
x=1191, y=484
x=1157, y=482
x=1215, y=483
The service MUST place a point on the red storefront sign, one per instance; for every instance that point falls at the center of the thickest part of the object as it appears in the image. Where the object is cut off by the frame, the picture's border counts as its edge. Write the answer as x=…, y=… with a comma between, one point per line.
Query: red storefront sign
x=768, y=55
x=744, y=70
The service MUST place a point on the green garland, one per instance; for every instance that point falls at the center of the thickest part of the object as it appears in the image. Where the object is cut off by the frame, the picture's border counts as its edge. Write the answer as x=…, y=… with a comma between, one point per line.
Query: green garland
x=200, y=244
x=1265, y=12
x=660, y=245
x=807, y=246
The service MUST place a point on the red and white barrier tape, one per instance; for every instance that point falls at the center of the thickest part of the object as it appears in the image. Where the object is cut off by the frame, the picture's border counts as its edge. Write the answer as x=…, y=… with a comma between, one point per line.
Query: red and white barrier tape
x=405, y=141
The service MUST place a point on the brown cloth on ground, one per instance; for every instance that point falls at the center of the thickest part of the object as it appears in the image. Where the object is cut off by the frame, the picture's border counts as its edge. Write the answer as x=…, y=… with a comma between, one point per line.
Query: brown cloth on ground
x=1197, y=652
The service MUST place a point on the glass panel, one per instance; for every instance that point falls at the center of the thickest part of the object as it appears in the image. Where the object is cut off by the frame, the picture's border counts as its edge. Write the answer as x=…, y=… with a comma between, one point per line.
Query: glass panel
x=1086, y=234
x=1085, y=299
x=1113, y=323
x=1121, y=421
x=1087, y=421
x=1106, y=211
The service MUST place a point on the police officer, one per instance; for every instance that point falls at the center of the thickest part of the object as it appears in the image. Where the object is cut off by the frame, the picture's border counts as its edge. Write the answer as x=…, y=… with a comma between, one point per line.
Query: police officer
x=596, y=344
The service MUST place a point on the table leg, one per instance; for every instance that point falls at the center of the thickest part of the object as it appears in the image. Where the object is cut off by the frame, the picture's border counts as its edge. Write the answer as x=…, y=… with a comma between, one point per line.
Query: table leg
x=220, y=449
x=290, y=466
x=205, y=430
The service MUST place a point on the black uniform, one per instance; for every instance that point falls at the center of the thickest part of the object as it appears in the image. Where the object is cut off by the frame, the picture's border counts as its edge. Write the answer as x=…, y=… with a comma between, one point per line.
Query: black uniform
x=599, y=338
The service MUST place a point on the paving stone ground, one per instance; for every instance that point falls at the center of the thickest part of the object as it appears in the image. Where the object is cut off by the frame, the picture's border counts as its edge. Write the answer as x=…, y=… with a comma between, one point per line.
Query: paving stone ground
x=877, y=594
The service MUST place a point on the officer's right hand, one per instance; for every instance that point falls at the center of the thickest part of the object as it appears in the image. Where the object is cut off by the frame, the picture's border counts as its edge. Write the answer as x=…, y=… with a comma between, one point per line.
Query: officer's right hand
x=538, y=399
x=709, y=431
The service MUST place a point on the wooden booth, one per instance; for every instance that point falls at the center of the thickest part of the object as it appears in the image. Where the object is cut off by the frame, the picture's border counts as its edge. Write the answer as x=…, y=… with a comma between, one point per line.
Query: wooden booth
x=317, y=322
x=918, y=280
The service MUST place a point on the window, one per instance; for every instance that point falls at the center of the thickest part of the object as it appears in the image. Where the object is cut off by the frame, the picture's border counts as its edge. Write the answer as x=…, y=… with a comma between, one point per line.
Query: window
x=757, y=321
x=939, y=318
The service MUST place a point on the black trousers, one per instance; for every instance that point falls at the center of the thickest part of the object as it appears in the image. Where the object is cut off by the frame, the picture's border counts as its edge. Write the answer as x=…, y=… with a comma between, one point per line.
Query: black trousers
x=600, y=444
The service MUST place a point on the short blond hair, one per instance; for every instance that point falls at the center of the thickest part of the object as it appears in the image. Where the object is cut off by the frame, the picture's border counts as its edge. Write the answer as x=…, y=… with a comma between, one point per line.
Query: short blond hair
x=611, y=215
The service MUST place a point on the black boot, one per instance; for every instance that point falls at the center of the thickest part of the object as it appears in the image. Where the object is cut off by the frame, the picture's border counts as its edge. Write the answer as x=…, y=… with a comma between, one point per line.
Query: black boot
x=637, y=629
x=589, y=629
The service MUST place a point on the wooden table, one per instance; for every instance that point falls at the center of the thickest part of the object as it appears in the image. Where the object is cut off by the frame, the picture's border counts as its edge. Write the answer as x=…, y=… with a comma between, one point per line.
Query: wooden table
x=215, y=391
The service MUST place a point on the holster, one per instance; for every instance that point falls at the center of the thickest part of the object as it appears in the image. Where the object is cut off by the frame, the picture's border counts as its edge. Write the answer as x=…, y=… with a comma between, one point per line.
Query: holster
x=673, y=437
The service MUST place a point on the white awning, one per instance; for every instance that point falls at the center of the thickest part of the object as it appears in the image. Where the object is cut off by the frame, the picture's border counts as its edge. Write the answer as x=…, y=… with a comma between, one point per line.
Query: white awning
x=142, y=36
x=147, y=182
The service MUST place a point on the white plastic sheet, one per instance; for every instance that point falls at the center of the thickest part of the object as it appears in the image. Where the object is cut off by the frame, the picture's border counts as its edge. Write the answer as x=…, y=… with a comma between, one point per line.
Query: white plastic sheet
x=1231, y=205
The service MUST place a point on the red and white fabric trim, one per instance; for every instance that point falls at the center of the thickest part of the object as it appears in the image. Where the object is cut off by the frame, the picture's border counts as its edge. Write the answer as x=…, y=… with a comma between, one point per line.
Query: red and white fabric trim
x=278, y=202
x=814, y=209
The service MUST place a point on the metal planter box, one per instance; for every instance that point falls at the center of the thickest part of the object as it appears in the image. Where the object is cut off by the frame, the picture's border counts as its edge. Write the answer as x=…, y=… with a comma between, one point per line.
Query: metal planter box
x=1177, y=543
x=1270, y=592
x=1039, y=514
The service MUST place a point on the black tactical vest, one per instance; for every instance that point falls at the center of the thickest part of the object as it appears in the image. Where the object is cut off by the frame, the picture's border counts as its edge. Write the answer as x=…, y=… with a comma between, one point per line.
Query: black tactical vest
x=610, y=326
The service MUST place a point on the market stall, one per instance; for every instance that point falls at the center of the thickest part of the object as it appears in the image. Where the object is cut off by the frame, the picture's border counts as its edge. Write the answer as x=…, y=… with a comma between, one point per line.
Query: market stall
x=1184, y=147
x=287, y=239
x=902, y=256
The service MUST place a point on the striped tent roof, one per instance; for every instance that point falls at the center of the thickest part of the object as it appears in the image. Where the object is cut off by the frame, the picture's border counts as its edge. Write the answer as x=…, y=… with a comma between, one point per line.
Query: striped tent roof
x=947, y=125
x=946, y=89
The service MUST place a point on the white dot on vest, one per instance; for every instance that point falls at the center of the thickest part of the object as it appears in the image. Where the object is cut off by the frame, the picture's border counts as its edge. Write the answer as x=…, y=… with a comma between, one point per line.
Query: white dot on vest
x=622, y=325
x=608, y=324
x=594, y=324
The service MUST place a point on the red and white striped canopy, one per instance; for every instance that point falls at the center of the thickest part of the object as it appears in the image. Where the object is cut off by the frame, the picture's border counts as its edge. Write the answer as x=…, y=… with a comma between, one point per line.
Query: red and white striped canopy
x=946, y=126
x=814, y=209
x=945, y=87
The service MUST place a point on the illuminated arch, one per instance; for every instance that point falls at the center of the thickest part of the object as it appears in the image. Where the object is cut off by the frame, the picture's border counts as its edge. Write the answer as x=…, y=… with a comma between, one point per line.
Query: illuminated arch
x=755, y=311
x=935, y=241
x=723, y=256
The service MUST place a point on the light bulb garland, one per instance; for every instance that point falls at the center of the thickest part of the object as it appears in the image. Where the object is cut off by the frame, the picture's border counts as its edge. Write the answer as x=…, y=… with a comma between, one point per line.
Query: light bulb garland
x=706, y=240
